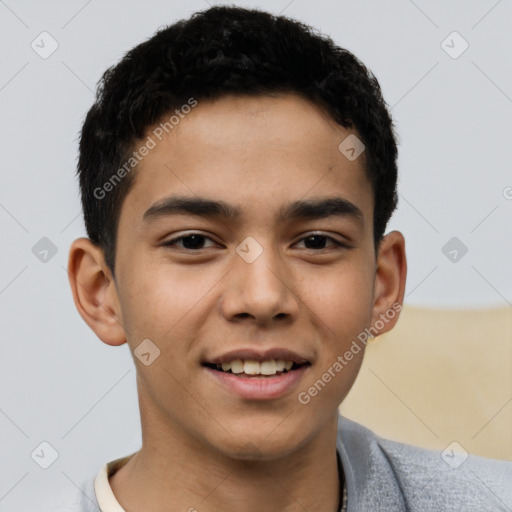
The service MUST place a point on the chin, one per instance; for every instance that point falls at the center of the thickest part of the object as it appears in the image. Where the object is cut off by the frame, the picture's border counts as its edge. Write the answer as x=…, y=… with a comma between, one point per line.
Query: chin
x=264, y=441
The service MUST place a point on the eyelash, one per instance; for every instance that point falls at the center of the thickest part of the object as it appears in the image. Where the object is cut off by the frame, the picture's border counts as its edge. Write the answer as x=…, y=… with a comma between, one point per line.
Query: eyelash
x=337, y=243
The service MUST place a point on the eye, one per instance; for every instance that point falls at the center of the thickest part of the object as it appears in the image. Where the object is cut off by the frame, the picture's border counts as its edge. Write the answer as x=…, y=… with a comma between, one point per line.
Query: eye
x=191, y=241
x=195, y=241
x=317, y=241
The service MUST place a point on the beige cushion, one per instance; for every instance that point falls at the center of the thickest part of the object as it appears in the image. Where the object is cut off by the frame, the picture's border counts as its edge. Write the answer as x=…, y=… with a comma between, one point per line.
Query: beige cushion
x=440, y=376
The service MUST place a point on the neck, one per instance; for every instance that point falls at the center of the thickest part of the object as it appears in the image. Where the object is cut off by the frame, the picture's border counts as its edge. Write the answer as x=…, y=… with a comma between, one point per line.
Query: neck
x=172, y=473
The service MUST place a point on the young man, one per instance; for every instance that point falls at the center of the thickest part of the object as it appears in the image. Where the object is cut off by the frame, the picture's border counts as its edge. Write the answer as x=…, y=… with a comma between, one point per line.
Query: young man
x=237, y=173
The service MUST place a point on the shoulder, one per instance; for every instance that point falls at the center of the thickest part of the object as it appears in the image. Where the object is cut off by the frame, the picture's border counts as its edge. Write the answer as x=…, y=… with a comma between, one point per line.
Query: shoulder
x=421, y=479
x=78, y=499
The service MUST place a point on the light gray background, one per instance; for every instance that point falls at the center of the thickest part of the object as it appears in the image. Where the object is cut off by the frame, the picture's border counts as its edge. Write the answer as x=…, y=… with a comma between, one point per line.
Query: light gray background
x=60, y=384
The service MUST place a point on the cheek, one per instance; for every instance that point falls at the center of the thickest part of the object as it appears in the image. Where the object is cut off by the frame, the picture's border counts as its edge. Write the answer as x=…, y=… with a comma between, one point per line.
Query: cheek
x=342, y=305
x=159, y=304
x=341, y=301
x=158, y=300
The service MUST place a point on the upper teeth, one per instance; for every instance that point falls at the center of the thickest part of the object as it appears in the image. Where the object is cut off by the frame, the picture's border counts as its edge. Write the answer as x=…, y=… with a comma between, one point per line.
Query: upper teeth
x=251, y=367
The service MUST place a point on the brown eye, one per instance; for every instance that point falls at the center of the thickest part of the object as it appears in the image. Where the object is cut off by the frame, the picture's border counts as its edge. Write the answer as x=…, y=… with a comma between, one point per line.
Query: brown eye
x=193, y=241
x=318, y=242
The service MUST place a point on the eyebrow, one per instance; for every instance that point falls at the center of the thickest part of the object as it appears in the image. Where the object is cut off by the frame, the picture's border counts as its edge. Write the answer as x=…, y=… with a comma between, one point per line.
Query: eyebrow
x=204, y=207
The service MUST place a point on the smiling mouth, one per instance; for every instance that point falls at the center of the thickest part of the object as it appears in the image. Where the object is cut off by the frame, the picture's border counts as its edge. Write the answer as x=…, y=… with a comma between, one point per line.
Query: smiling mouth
x=250, y=368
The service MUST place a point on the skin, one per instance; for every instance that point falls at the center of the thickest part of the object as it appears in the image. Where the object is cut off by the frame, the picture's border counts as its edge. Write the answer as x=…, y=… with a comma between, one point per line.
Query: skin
x=203, y=446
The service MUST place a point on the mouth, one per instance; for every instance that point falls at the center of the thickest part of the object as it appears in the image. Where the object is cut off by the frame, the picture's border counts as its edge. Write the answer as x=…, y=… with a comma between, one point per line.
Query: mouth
x=252, y=375
x=250, y=368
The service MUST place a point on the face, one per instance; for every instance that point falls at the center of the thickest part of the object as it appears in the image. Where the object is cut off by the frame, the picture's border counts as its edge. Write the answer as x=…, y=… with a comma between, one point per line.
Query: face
x=259, y=289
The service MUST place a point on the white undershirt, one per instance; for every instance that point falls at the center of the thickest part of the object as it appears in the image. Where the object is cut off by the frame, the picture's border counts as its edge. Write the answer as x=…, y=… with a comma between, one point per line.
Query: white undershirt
x=104, y=494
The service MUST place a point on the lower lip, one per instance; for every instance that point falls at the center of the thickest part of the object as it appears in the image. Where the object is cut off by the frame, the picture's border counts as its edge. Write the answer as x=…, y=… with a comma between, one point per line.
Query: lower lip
x=259, y=388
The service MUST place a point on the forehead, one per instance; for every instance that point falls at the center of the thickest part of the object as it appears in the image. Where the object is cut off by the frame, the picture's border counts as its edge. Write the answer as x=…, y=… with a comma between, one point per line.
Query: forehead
x=256, y=153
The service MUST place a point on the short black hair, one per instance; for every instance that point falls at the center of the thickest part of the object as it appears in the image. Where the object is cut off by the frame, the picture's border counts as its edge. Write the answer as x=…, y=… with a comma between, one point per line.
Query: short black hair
x=219, y=51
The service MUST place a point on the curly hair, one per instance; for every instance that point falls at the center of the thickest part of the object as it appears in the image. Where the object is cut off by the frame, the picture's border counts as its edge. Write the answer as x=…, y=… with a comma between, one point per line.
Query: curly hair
x=218, y=51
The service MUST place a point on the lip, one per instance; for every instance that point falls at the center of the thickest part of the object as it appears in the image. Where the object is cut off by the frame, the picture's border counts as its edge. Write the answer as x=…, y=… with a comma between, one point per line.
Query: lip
x=259, y=388
x=256, y=355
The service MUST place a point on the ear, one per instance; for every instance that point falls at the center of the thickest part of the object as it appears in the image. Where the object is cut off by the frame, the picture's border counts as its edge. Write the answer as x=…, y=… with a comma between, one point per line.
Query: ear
x=94, y=291
x=389, y=288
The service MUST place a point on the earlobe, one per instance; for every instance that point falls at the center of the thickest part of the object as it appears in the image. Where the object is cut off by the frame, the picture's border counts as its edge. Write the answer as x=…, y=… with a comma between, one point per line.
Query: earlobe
x=390, y=278
x=94, y=291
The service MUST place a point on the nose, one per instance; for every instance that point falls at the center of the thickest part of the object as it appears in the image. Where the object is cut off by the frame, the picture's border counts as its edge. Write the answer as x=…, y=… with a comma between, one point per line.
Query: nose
x=262, y=290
